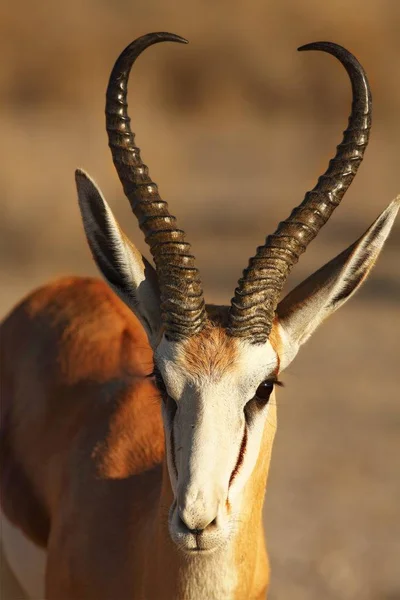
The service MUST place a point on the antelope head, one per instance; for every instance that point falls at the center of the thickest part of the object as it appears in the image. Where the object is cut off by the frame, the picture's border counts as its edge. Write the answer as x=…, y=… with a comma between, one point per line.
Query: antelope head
x=217, y=367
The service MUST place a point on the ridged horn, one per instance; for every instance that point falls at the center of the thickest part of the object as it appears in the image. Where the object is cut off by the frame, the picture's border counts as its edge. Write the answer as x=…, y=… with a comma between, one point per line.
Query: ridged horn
x=182, y=303
x=253, y=306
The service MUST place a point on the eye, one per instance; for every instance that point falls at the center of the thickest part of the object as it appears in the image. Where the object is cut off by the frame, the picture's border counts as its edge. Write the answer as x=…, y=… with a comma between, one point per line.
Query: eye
x=169, y=403
x=161, y=387
x=159, y=382
x=171, y=407
x=259, y=400
x=263, y=392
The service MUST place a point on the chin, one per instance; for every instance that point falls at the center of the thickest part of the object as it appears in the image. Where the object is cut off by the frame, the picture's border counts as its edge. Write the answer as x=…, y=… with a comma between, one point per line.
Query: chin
x=203, y=544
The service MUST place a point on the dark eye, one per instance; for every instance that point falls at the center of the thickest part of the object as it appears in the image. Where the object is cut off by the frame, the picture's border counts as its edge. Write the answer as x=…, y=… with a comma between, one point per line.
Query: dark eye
x=263, y=392
x=160, y=385
x=168, y=402
x=171, y=407
x=260, y=400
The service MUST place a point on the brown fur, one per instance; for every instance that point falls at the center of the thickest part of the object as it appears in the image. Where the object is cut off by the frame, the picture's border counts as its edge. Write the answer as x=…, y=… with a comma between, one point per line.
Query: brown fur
x=83, y=469
x=209, y=352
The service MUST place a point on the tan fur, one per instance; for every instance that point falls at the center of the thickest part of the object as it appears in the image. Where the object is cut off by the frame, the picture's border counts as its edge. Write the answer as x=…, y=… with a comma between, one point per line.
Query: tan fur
x=251, y=555
x=276, y=342
x=211, y=351
x=83, y=470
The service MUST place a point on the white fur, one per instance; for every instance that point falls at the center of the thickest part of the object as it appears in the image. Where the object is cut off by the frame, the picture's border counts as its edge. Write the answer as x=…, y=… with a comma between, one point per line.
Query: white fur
x=208, y=431
x=213, y=578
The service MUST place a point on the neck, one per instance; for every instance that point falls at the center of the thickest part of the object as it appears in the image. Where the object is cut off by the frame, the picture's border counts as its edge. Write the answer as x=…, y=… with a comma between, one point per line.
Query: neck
x=238, y=570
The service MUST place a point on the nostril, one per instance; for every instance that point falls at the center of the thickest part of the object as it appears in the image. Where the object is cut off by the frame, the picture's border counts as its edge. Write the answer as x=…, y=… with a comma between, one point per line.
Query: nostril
x=196, y=531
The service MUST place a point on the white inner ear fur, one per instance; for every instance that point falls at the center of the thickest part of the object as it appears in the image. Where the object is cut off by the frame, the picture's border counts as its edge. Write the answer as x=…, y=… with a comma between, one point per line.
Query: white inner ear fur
x=128, y=273
x=310, y=303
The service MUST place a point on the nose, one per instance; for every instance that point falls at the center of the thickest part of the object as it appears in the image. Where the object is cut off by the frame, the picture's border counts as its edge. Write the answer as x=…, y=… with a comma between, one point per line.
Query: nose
x=195, y=526
x=197, y=511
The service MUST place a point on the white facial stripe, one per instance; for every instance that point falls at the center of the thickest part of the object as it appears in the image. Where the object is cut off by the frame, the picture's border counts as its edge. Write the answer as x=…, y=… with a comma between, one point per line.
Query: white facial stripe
x=209, y=426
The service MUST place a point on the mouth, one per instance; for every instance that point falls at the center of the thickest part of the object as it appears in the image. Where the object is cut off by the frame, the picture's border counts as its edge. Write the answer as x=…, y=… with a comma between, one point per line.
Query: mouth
x=199, y=551
x=194, y=544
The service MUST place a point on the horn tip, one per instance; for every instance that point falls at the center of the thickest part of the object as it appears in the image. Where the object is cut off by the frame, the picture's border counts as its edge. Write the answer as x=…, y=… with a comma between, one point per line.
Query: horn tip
x=315, y=46
x=171, y=37
x=80, y=173
x=338, y=51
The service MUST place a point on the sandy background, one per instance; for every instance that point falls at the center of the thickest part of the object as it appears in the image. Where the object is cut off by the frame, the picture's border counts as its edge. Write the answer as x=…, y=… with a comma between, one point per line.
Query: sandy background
x=235, y=127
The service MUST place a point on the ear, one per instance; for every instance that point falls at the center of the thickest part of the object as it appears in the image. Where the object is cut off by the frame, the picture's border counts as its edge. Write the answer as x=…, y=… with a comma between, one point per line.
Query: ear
x=129, y=274
x=311, y=302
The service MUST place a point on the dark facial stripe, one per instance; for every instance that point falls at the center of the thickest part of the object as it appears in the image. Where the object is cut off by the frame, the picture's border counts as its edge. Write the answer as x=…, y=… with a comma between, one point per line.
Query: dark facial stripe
x=172, y=444
x=240, y=457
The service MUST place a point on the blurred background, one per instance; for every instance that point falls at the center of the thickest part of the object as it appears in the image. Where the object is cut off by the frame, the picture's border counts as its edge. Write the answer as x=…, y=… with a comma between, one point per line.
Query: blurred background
x=235, y=128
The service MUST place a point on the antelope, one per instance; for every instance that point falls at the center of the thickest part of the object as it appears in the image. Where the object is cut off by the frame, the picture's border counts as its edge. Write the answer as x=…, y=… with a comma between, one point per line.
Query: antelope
x=137, y=421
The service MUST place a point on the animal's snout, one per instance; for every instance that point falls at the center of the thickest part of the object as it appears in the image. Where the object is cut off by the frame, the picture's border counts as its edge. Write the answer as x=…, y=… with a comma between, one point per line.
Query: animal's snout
x=198, y=511
x=196, y=525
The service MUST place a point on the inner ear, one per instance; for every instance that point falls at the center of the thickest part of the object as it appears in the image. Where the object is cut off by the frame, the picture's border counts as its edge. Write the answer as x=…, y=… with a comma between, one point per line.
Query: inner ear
x=321, y=294
x=129, y=274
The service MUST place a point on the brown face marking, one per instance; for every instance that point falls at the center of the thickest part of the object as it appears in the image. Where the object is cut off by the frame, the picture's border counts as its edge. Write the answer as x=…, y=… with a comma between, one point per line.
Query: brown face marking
x=211, y=351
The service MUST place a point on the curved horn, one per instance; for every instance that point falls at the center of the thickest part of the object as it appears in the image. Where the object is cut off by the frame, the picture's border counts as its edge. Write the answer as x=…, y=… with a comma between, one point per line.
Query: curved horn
x=182, y=304
x=256, y=297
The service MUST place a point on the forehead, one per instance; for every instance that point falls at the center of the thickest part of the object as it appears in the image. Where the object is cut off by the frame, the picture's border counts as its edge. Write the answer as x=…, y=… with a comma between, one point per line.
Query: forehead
x=212, y=357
